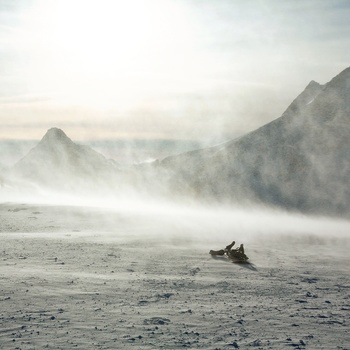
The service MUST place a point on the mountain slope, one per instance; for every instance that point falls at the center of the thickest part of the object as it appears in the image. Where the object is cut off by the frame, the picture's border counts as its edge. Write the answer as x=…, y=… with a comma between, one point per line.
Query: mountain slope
x=60, y=163
x=299, y=161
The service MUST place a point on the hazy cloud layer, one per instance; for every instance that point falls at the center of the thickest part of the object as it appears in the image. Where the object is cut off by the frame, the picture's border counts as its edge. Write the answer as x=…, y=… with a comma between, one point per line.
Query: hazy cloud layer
x=201, y=70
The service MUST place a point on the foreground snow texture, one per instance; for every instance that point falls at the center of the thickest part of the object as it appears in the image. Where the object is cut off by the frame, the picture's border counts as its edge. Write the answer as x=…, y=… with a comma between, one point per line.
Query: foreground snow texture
x=75, y=278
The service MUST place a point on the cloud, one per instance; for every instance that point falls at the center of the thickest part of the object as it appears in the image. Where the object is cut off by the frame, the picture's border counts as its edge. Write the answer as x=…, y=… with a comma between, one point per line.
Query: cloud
x=218, y=69
x=23, y=99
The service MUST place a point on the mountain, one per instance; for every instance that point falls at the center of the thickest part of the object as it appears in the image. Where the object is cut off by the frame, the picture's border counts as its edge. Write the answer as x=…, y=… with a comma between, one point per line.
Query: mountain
x=300, y=161
x=58, y=162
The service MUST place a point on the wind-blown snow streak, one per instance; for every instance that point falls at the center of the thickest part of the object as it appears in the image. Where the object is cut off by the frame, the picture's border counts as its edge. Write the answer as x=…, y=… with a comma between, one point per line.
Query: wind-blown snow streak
x=300, y=161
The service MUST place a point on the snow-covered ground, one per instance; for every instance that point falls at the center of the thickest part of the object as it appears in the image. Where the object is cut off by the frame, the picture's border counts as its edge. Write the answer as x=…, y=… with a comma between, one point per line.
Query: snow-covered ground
x=138, y=275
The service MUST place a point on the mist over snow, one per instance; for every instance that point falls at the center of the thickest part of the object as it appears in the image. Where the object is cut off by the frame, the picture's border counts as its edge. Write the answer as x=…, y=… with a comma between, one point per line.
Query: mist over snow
x=137, y=151
x=58, y=163
x=140, y=141
x=298, y=162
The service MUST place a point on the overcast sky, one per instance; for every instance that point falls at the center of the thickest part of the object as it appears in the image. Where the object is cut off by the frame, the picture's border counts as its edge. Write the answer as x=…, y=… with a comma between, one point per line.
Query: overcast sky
x=164, y=69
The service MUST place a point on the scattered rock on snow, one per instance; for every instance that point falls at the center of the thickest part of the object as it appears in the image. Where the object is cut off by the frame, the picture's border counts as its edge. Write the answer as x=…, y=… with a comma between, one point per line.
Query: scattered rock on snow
x=156, y=320
x=194, y=271
x=234, y=344
x=310, y=280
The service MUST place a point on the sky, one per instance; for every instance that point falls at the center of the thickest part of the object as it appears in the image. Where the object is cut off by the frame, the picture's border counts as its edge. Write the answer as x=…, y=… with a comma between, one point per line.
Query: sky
x=203, y=70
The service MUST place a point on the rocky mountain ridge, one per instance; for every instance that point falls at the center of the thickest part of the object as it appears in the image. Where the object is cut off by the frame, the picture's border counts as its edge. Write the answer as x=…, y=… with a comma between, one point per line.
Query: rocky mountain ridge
x=300, y=161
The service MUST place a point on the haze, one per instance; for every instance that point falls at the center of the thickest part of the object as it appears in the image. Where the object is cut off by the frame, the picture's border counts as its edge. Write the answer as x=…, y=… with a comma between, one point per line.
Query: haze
x=99, y=251
x=204, y=71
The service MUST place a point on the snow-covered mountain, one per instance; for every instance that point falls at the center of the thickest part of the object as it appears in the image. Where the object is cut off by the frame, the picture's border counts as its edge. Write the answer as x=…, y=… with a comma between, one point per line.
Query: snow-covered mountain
x=300, y=161
x=59, y=163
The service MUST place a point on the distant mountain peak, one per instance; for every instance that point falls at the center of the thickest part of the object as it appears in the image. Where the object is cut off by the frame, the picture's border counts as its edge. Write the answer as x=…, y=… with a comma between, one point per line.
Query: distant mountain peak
x=313, y=84
x=341, y=81
x=55, y=135
x=312, y=90
x=56, y=161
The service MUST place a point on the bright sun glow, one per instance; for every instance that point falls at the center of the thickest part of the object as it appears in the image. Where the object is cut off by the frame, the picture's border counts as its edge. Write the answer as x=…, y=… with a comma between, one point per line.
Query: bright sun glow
x=110, y=53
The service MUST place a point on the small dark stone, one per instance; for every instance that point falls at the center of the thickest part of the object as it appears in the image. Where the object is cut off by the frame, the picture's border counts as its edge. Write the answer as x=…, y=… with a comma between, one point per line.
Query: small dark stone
x=234, y=344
